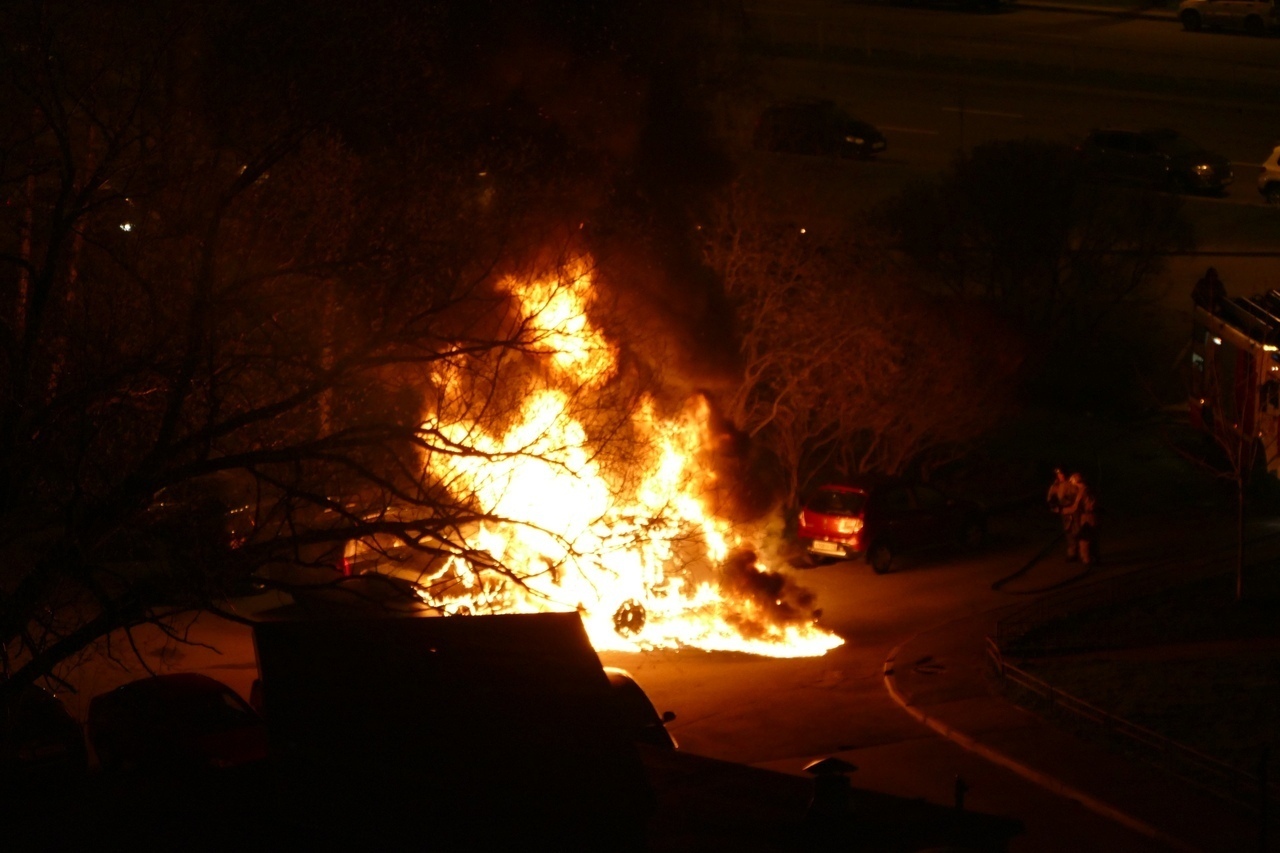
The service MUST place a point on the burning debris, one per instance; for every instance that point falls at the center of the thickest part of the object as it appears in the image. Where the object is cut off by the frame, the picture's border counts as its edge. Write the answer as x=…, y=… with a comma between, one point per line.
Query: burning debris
x=596, y=501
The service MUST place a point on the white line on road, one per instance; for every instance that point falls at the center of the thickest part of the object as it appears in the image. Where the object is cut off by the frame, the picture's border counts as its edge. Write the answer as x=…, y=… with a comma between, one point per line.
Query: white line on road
x=1048, y=36
x=909, y=130
x=996, y=113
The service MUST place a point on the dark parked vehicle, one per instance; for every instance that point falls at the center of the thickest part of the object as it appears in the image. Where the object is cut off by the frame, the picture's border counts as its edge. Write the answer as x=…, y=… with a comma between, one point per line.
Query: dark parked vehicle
x=1160, y=158
x=1256, y=17
x=183, y=721
x=39, y=740
x=881, y=518
x=637, y=712
x=816, y=127
x=963, y=5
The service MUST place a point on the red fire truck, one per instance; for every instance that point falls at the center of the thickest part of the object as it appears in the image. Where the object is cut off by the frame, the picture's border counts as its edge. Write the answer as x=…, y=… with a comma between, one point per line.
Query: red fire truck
x=1235, y=373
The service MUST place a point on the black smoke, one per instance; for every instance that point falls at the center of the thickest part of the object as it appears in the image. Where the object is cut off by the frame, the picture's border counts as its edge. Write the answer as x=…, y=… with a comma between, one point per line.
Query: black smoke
x=779, y=599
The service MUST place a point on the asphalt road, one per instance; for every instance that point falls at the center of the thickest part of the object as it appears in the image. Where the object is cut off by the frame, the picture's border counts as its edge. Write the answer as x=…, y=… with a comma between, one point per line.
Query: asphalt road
x=782, y=713
x=931, y=110
x=928, y=116
x=1024, y=37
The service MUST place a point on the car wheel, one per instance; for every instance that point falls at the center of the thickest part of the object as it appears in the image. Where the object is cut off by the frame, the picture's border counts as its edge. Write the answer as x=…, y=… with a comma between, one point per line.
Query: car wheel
x=1254, y=26
x=1191, y=20
x=880, y=557
x=973, y=534
x=1272, y=193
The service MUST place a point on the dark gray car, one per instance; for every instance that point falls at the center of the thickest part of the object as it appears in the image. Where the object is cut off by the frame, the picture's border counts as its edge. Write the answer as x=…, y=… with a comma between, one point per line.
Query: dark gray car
x=816, y=127
x=1158, y=158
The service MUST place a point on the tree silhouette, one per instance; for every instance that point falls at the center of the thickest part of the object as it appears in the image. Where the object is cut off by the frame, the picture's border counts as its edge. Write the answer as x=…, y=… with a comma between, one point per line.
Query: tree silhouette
x=236, y=257
x=848, y=365
x=1019, y=226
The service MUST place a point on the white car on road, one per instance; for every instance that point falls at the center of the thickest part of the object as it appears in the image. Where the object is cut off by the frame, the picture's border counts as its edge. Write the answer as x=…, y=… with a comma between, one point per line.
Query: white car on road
x=1269, y=178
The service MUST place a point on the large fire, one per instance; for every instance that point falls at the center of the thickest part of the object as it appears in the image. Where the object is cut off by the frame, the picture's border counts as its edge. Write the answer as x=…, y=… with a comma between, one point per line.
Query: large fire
x=615, y=528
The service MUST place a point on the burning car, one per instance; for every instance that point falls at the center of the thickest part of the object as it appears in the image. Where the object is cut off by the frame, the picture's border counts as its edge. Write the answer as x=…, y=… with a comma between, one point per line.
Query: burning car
x=881, y=518
x=608, y=511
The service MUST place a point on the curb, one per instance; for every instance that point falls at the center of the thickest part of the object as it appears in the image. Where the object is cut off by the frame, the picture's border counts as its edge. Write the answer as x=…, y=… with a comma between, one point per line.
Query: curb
x=1044, y=780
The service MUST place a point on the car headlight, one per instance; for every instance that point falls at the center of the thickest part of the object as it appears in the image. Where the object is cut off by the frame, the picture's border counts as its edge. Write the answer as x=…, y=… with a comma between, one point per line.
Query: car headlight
x=1202, y=169
x=856, y=140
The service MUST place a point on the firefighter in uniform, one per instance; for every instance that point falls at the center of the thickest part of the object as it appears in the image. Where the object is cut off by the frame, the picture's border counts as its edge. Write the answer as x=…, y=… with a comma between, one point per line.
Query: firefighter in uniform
x=1084, y=513
x=1061, y=499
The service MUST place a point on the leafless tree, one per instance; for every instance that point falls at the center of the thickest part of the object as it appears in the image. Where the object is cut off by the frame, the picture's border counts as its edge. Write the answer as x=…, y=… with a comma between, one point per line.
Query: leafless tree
x=221, y=333
x=1018, y=224
x=847, y=365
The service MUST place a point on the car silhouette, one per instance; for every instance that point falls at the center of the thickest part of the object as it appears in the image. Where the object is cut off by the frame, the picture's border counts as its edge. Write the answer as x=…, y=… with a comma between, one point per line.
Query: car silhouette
x=816, y=127
x=1255, y=17
x=637, y=713
x=880, y=518
x=40, y=742
x=183, y=721
x=1157, y=158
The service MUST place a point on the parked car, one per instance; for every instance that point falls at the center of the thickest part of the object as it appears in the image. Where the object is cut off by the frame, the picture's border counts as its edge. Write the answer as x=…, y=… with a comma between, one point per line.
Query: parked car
x=637, y=712
x=964, y=5
x=363, y=595
x=184, y=721
x=816, y=127
x=881, y=518
x=1269, y=178
x=1256, y=17
x=39, y=740
x=1159, y=158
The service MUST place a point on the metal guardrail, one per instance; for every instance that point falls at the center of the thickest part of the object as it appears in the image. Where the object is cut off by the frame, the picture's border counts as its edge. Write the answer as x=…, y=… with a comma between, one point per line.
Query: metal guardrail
x=1012, y=629
x=1191, y=764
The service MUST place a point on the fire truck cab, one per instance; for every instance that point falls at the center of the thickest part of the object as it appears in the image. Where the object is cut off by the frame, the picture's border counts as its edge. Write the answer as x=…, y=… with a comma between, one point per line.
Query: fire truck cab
x=1235, y=371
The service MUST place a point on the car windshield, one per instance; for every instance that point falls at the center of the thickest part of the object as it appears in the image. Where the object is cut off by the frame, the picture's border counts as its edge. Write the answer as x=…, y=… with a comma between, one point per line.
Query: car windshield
x=1176, y=144
x=837, y=502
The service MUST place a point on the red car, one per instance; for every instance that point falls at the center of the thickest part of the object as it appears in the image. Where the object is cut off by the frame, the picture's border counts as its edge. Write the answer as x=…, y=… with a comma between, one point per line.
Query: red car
x=186, y=721
x=881, y=518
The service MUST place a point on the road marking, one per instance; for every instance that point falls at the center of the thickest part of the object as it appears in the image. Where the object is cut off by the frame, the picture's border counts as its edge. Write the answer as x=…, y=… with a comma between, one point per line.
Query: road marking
x=996, y=113
x=909, y=130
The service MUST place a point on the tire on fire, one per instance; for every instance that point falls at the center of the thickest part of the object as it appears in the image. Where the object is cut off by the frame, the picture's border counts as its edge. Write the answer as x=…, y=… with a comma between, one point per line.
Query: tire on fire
x=629, y=618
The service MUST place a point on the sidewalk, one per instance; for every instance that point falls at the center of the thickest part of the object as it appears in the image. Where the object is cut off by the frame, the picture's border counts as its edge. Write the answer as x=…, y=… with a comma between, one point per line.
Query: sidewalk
x=938, y=677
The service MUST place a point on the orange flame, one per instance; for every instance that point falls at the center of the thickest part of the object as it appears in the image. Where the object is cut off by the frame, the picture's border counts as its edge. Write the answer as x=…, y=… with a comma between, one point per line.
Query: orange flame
x=636, y=553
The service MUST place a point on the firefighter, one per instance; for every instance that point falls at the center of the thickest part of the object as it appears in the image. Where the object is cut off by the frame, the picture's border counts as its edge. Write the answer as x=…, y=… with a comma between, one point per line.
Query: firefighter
x=1061, y=497
x=1085, y=517
x=1209, y=292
